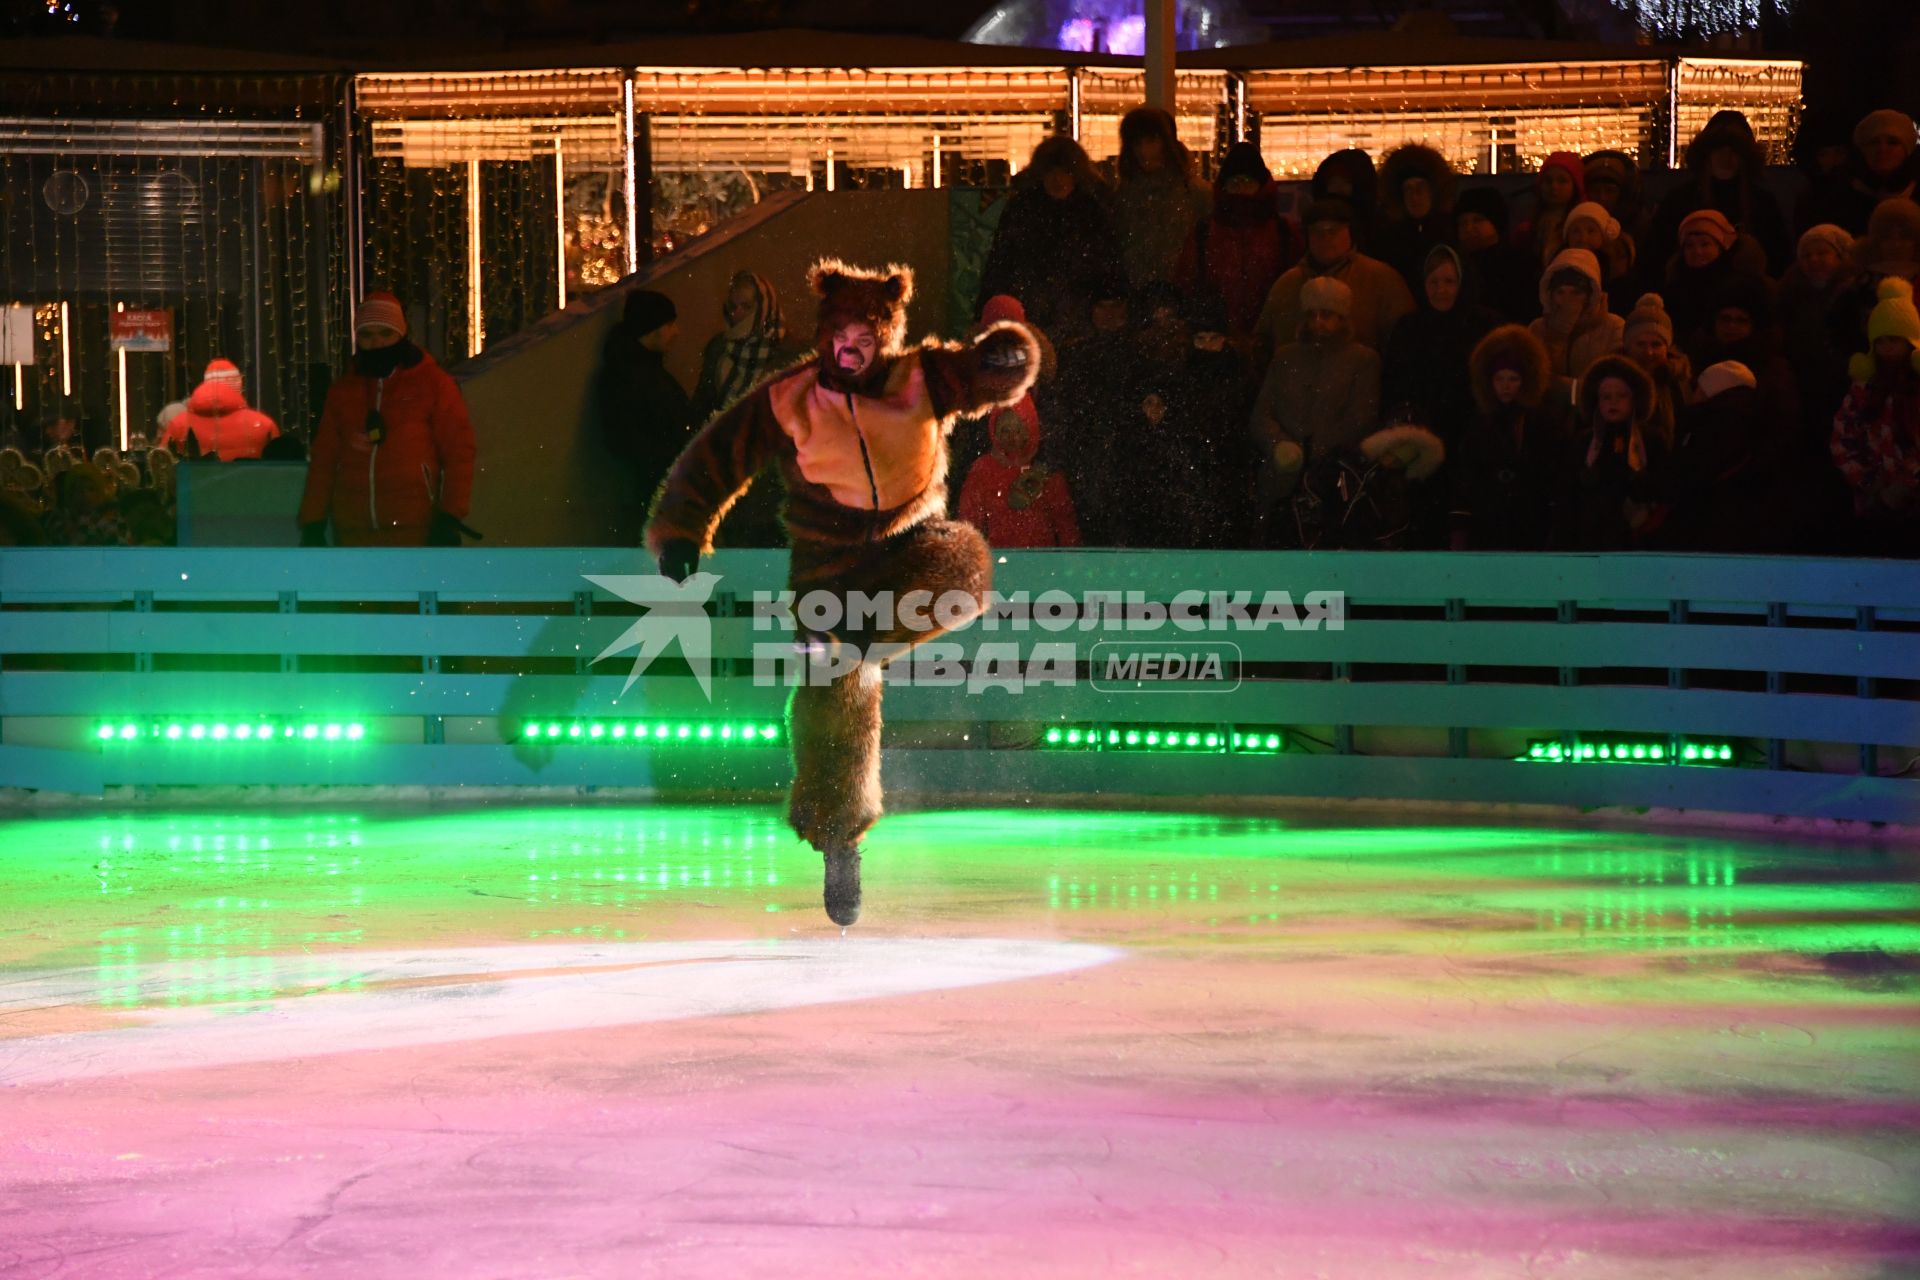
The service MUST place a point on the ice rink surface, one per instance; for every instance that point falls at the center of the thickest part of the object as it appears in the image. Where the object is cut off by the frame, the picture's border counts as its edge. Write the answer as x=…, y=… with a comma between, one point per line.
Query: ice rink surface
x=527, y=1041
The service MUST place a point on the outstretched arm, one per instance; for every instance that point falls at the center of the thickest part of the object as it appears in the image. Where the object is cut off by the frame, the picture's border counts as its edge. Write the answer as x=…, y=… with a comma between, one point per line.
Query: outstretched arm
x=712, y=472
x=997, y=369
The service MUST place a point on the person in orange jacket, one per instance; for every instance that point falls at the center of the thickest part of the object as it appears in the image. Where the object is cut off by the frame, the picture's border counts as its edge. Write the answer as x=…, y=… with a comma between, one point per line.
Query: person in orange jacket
x=392, y=460
x=218, y=422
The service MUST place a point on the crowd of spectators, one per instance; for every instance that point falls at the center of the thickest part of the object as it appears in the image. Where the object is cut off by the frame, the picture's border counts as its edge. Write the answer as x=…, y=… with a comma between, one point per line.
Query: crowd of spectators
x=1407, y=363
x=1406, y=358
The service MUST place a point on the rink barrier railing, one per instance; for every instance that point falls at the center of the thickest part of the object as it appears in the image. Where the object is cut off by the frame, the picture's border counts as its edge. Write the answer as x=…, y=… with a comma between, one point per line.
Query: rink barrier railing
x=1446, y=667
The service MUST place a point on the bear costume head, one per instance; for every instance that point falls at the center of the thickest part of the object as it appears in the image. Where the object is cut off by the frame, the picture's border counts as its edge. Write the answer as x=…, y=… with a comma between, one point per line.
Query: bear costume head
x=854, y=295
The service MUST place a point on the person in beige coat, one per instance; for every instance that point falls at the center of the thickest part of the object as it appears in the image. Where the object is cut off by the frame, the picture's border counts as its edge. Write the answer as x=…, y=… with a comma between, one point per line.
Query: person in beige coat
x=1576, y=328
x=1380, y=296
x=1320, y=395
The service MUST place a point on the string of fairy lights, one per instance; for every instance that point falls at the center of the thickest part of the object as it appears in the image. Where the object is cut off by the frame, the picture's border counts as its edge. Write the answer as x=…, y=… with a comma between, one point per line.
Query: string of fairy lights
x=487, y=200
x=204, y=201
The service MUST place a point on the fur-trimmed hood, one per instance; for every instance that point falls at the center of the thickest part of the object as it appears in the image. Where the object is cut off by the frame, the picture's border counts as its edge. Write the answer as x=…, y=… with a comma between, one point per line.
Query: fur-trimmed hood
x=1623, y=368
x=1415, y=161
x=1415, y=450
x=1509, y=346
x=848, y=293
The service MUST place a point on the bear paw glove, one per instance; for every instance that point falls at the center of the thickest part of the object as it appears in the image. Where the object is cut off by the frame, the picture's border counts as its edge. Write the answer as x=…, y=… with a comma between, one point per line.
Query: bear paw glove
x=679, y=558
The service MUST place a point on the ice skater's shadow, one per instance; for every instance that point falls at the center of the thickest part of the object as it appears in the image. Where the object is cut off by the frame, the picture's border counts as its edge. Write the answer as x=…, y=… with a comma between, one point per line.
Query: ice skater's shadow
x=545, y=696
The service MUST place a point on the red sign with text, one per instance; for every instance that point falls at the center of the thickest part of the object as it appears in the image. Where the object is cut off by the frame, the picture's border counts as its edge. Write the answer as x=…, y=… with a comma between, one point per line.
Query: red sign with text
x=150, y=330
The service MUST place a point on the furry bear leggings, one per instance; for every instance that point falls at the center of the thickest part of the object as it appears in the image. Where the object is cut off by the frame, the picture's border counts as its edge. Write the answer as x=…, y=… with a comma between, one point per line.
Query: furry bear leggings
x=834, y=728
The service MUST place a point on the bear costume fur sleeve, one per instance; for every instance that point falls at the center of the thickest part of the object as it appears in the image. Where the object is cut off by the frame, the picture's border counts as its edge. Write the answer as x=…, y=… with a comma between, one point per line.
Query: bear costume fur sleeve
x=864, y=459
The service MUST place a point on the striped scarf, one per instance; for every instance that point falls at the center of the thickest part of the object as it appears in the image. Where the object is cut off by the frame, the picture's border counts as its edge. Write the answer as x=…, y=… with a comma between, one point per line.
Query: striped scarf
x=746, y=360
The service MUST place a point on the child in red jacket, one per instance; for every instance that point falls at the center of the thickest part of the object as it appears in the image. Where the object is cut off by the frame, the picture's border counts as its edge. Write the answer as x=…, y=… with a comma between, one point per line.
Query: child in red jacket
x=1014, y=500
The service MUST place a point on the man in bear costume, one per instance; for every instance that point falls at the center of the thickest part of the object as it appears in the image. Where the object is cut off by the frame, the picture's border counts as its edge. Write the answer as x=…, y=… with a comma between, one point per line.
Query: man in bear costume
x=859, y=433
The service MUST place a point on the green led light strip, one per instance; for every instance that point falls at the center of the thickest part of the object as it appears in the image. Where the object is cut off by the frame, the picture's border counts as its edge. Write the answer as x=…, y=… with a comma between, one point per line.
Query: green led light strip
x=225, y=732
x=1139, y=737
x=1628, y=751
x=650, y=732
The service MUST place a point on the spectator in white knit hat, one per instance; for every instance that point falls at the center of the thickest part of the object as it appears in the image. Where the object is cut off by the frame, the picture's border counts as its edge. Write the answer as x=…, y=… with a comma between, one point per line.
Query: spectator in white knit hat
x=1589, y=226
x=219, y=423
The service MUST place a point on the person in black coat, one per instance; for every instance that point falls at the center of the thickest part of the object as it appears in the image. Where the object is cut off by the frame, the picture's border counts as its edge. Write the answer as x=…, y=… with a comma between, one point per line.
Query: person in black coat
x=1726, y=167
x=1623, y=470
x=1510, y=474
x=646, y=417
x=1503, y=277
x=1425, y=363
x=1055, y=245
x=1881, y=164
x=1729, y=488
x=1416, y=209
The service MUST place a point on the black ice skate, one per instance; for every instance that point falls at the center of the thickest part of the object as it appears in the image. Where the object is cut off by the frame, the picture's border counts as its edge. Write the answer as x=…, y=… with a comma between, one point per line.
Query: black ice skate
x=843, y=884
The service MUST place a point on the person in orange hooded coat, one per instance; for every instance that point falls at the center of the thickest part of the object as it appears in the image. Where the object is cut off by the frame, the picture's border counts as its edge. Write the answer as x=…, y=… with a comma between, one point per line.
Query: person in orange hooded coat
x=392, y=460
x=218, y=422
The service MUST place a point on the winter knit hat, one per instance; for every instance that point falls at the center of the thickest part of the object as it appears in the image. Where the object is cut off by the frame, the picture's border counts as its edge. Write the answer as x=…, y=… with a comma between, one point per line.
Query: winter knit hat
x=1826, y=233
x=1610, y=166
x=1002, y=306
x=1243, y=160
x=1744, y=291
x=223, y=373
x=1893, y=317
x=1328, y=209
x=1724, y=376
x=647, y=310
x=1895, y=213
x=381, y=308
x=1488, y=203
x=1575, y=168
x=1598, y=216
x=1650, y=313
x=1879, y=123
x=1713, y=223
x=1325, y=293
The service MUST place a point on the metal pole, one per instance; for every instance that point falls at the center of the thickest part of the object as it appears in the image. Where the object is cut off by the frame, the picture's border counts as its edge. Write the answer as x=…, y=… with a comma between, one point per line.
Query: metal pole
x=1073, y=103
x=355, y=229
x=628, y=182
x=1160, y=54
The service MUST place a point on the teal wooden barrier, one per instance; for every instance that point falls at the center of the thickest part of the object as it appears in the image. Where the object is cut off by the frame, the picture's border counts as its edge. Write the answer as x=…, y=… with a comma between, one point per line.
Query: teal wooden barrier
x=1447, y=666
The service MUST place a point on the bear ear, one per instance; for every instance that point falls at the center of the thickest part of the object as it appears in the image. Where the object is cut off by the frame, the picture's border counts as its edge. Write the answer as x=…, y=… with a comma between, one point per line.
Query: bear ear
x=898, y=285
x=826, y=275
